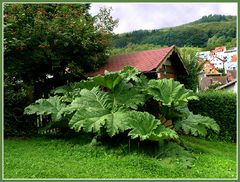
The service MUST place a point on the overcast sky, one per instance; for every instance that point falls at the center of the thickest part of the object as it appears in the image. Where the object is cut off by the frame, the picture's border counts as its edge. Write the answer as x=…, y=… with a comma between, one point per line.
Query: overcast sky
x=135, y=16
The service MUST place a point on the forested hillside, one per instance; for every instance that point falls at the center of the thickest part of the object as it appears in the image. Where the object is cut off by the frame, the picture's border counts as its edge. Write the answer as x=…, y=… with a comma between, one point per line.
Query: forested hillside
x=207, y=32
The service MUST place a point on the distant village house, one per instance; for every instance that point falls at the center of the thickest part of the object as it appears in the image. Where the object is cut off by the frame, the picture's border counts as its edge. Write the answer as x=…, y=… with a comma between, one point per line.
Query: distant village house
x=220, y=66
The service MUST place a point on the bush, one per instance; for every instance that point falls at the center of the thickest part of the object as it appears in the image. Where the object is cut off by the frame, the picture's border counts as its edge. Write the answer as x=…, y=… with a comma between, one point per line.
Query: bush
x=115, y=103
x=221, y=106
x=16, y=98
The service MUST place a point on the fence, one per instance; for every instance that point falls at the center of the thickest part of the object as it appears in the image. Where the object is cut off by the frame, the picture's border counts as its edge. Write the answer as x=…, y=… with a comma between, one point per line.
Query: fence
x=42, y=123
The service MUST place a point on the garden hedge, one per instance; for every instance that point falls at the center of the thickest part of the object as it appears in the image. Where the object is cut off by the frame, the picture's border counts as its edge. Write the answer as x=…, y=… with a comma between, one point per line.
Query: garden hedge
x=221, y=106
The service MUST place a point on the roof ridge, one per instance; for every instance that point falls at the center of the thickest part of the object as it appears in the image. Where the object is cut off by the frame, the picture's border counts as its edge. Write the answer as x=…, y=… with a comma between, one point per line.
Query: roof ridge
x=124, y=54
x=219, y=58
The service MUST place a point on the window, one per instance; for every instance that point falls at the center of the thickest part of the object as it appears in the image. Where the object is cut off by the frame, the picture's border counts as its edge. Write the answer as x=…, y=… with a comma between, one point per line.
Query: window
x=210, y=81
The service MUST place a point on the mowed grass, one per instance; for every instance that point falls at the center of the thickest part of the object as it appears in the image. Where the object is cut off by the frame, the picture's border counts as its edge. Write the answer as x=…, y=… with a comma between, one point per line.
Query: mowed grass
x=77, y=158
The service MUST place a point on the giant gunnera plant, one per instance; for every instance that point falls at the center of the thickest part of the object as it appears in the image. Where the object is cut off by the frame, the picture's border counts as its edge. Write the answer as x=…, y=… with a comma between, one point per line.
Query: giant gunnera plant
x=118, y=102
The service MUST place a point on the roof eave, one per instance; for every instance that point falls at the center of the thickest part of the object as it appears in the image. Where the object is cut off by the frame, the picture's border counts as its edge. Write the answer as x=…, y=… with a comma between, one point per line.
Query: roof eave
x=169, y=54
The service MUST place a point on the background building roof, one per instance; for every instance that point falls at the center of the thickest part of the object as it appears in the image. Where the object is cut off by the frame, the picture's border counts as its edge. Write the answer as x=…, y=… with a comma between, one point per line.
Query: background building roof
x=142, y=60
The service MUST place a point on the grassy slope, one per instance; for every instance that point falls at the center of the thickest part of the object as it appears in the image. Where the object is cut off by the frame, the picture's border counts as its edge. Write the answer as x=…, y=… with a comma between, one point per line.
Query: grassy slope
x=57, y=158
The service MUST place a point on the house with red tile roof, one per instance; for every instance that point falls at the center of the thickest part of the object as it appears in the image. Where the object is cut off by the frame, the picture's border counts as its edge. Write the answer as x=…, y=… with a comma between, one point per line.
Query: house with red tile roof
x=220, y=49
x=160, y=63
x=210, y=75
x=209, y=69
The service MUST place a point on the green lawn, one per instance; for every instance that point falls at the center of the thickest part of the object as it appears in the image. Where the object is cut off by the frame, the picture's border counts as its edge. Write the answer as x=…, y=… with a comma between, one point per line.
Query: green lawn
x=76, y=158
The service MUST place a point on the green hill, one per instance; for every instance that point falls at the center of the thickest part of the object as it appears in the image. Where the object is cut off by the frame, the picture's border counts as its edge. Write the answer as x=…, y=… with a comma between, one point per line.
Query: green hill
x=209, y=31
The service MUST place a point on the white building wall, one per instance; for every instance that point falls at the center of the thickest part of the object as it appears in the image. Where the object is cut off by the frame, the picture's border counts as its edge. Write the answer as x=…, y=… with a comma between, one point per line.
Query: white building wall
x=217, y=63
x=232, y=88
x=226, y=55
x=204, y=54
x=230, y=65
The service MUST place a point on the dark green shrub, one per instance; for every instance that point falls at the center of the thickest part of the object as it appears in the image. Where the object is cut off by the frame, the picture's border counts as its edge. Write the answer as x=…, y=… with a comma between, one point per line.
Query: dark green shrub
x=16, y=97
x=221, y=106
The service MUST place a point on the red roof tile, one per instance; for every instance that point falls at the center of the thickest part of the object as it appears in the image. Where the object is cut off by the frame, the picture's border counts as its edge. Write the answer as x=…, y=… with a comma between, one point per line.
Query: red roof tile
x=234, y=58
x=220, y=49
x=142, y=60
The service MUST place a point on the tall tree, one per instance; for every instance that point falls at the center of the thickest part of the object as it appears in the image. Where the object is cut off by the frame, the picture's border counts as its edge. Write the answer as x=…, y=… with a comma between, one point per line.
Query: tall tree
x=45, y=45
x=41, y=39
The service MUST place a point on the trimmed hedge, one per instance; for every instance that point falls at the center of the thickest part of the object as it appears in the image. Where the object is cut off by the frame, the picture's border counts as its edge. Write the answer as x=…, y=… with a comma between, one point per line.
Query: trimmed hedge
x=221, y=106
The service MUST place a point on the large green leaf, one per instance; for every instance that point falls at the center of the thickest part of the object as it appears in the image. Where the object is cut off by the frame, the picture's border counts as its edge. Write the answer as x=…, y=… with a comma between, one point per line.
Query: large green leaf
x=125, y=94
x=97, y=109
x=89, y=121
x=87, y=84
x=72, y=90
x=161, y=132
x=142, y=124
x=52, y=105
x=92, y=120
x=116, y=122
x=146, y=126
x=94, y=98
x=109, y=80
x=170, y=92
x=130, y=73
x=197, y=125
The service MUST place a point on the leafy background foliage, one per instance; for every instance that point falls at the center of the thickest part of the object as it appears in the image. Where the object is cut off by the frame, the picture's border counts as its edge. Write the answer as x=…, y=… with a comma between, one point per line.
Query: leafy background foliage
x=16, y=98
x=221, y=106
x=50, y=37
x=190, y=59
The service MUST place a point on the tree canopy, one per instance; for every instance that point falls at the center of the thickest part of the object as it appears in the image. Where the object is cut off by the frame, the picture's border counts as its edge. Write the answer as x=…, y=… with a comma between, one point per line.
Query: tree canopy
x=44, y=39
x=194, y=34
x=45, y=46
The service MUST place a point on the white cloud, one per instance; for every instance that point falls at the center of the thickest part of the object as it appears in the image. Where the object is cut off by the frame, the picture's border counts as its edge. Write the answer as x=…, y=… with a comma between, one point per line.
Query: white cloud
x=229, y=8
x=135, y=16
